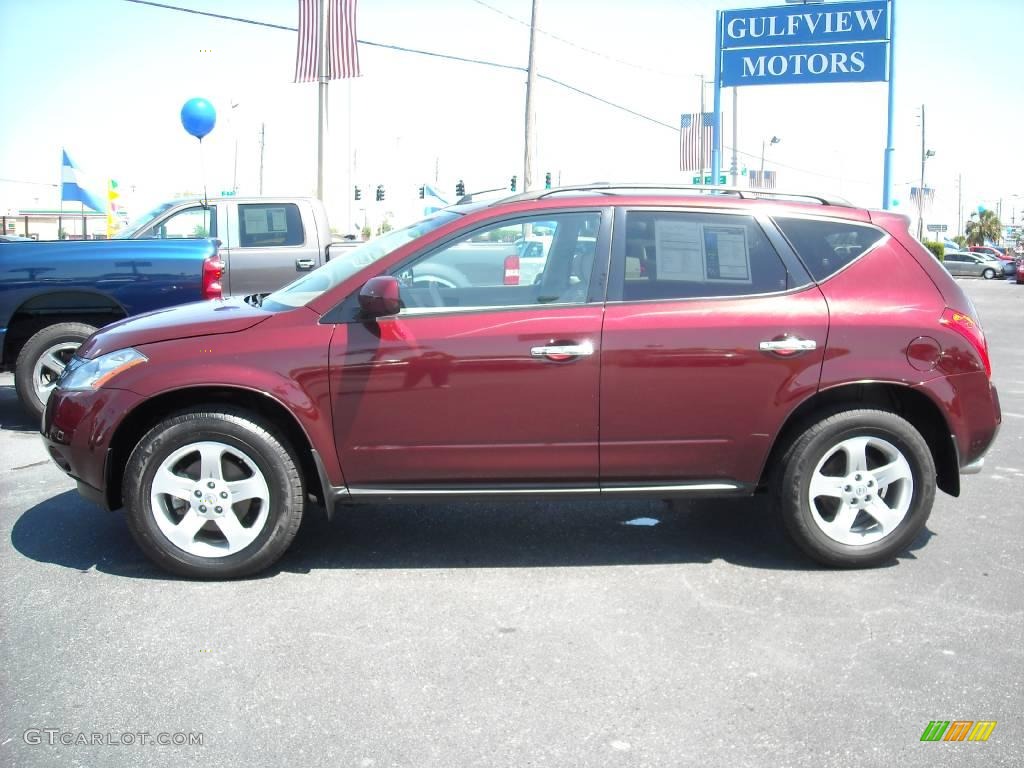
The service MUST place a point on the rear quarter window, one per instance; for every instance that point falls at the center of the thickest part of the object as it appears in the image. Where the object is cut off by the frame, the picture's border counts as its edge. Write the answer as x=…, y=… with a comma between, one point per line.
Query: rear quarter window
x=825, y=247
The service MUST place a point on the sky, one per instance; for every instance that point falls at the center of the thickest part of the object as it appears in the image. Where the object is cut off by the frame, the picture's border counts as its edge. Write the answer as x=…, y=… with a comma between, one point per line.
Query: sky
x=106, y=80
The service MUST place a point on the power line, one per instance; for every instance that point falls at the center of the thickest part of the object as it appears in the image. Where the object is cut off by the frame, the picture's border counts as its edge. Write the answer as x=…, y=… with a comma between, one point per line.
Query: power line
x=483, y=62
x=572, y=44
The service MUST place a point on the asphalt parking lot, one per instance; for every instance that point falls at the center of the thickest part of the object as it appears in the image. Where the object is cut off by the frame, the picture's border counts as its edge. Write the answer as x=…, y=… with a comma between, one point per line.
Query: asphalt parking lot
x=519, y=634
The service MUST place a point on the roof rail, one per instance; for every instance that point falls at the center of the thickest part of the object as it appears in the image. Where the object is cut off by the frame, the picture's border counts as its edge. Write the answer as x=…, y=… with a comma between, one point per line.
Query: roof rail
x=609, y=188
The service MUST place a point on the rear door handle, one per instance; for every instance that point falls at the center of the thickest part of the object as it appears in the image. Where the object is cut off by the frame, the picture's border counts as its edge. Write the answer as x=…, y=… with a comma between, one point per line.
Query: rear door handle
x=788, y=346
x=560, y=352
x=304, y=263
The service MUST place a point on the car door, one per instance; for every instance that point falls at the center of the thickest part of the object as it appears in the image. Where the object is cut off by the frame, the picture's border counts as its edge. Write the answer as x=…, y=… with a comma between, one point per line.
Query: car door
x=268, y=246
x=713, y=333
x=956, y=264
x=477, y=385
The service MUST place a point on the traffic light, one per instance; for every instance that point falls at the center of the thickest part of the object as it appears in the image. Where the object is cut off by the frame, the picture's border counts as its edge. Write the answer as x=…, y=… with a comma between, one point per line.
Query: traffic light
x=423, y=191
x=513, y=185
x=359, y=194
x=380, y=193
x=547, y=180
x=460, y=188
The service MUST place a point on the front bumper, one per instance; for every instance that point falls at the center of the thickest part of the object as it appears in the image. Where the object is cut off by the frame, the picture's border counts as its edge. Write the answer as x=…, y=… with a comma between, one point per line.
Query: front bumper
x=78, y=430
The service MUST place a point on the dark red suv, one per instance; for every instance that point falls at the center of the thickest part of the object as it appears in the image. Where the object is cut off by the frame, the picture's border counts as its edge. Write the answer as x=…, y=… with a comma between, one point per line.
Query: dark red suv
x=668, y=343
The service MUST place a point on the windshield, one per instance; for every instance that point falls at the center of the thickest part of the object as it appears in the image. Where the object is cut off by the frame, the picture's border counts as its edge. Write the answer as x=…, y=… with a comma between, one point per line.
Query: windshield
x=345, y=263
x=141, y=222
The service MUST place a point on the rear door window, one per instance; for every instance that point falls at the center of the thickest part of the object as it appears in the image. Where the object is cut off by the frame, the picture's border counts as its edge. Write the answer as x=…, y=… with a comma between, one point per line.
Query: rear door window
x=826, y=246
x=262, y=225
x=682, y=255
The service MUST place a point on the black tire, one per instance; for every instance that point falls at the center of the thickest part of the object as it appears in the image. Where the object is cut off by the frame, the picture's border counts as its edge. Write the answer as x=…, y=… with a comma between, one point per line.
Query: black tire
x=819, y=441
x=988, y=274
x=34, y=349
x=269, y=451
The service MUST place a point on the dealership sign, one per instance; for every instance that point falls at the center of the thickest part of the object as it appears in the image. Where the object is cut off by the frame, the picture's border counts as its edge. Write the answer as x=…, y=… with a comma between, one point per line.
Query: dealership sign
x=819, y=43
x=804, y=42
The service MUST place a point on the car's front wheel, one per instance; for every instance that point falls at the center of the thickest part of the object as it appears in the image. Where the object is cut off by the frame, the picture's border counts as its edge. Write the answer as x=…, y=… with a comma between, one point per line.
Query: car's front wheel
x=213, y=494
x=856, y=488
x=989, y=273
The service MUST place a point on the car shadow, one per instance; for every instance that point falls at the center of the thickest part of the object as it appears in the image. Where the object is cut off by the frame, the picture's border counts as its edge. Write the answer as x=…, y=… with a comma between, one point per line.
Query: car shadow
x=70, y=532
x=12, y=415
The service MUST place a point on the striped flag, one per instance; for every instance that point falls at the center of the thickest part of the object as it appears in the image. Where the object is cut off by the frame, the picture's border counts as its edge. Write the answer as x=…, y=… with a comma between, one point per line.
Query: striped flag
x=756, y=182
x=925, y=201
x=342, y=47
x=694, y=153
x=71, y=187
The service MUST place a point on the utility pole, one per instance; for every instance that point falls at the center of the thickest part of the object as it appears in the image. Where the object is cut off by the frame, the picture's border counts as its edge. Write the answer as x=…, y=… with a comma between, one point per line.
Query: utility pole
x=960, y=204
x=925, y=154
x=530, y=116
x=321, y=133
x=700, y=117
x=263, y=127
x=733, y=168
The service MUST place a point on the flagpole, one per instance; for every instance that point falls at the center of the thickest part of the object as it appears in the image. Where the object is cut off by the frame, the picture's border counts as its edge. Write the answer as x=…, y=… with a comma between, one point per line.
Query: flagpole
x=322, y=28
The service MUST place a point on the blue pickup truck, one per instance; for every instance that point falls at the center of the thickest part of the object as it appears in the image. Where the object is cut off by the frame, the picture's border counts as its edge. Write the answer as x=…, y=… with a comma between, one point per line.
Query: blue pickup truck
x=53, y=295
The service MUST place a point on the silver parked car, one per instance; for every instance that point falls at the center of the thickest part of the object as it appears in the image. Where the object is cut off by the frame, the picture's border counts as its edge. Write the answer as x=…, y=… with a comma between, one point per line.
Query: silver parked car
x=967, y=264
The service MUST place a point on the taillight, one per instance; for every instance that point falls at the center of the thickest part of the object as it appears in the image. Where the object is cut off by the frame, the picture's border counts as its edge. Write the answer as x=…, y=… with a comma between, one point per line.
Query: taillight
x=964, y=325
x=213, y=272
x=511, y=270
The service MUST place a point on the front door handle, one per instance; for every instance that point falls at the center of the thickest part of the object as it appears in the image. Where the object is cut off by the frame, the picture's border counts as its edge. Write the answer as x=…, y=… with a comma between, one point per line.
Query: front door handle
x=305, y=263
x=561, y=352
x=788, y=346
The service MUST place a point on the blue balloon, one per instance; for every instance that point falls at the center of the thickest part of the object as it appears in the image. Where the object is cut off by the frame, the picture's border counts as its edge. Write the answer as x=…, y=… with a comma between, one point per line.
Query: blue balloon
x=981, y=209
x=198, y=117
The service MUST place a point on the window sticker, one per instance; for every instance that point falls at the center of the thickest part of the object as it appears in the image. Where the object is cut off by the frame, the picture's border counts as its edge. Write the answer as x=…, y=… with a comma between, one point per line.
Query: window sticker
x=726, y=254
x=278, y=220
x=255, y=221
x=680, y=250
x=701, y=253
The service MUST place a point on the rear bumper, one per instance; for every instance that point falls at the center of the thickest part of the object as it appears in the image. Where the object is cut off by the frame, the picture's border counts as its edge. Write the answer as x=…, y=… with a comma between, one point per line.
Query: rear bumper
x=971, y=404
x=77, y=430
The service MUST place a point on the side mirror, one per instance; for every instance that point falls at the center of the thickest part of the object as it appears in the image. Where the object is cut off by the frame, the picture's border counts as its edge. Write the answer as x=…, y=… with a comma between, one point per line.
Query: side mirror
x=379, y=297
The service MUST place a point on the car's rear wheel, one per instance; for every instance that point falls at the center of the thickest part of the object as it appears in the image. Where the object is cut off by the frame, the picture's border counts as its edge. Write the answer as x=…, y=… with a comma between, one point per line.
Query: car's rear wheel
x=856, y=488
x=989, y=273
x=213, y=494
x=41, y=361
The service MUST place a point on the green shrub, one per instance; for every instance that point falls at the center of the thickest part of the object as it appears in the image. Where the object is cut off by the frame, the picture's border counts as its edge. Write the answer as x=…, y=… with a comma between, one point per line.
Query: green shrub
x=937, y=248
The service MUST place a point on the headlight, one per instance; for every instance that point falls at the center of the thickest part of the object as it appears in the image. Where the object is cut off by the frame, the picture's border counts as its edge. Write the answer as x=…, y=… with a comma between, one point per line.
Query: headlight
x=93, y=374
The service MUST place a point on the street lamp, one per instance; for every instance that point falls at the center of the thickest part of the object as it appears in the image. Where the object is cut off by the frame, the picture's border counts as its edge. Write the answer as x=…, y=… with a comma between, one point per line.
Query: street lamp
x=774, y=140
x=925, y=155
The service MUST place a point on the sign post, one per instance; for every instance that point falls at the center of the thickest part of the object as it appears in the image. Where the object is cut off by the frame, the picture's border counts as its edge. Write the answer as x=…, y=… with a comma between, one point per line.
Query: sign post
x=836, y=42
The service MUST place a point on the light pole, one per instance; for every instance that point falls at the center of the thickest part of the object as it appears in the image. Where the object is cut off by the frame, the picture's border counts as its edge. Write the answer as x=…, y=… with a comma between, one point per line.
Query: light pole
x=766, y=143
x=925, y=154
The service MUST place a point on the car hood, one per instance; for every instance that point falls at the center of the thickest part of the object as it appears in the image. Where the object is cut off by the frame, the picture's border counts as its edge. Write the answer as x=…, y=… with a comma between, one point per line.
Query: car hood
x=199, y=319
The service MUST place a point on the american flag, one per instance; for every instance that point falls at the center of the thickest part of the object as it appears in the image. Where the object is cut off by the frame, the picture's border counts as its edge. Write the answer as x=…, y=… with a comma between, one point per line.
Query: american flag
x=342, y=49
x=695, y=154
x=756, y=182
x=924, y=202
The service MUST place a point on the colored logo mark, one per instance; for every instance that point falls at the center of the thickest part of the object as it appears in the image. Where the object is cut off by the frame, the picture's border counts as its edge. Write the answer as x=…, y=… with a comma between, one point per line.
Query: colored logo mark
x=958, y=730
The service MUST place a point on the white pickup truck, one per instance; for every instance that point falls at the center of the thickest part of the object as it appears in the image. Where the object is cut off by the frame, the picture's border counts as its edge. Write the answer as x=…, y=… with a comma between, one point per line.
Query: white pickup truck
x=265, y=242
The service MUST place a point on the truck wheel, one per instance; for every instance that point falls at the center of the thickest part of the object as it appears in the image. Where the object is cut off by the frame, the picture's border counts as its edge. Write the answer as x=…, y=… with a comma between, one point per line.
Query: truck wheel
x=213, y=494
x=856, y=488
x=41, y=361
